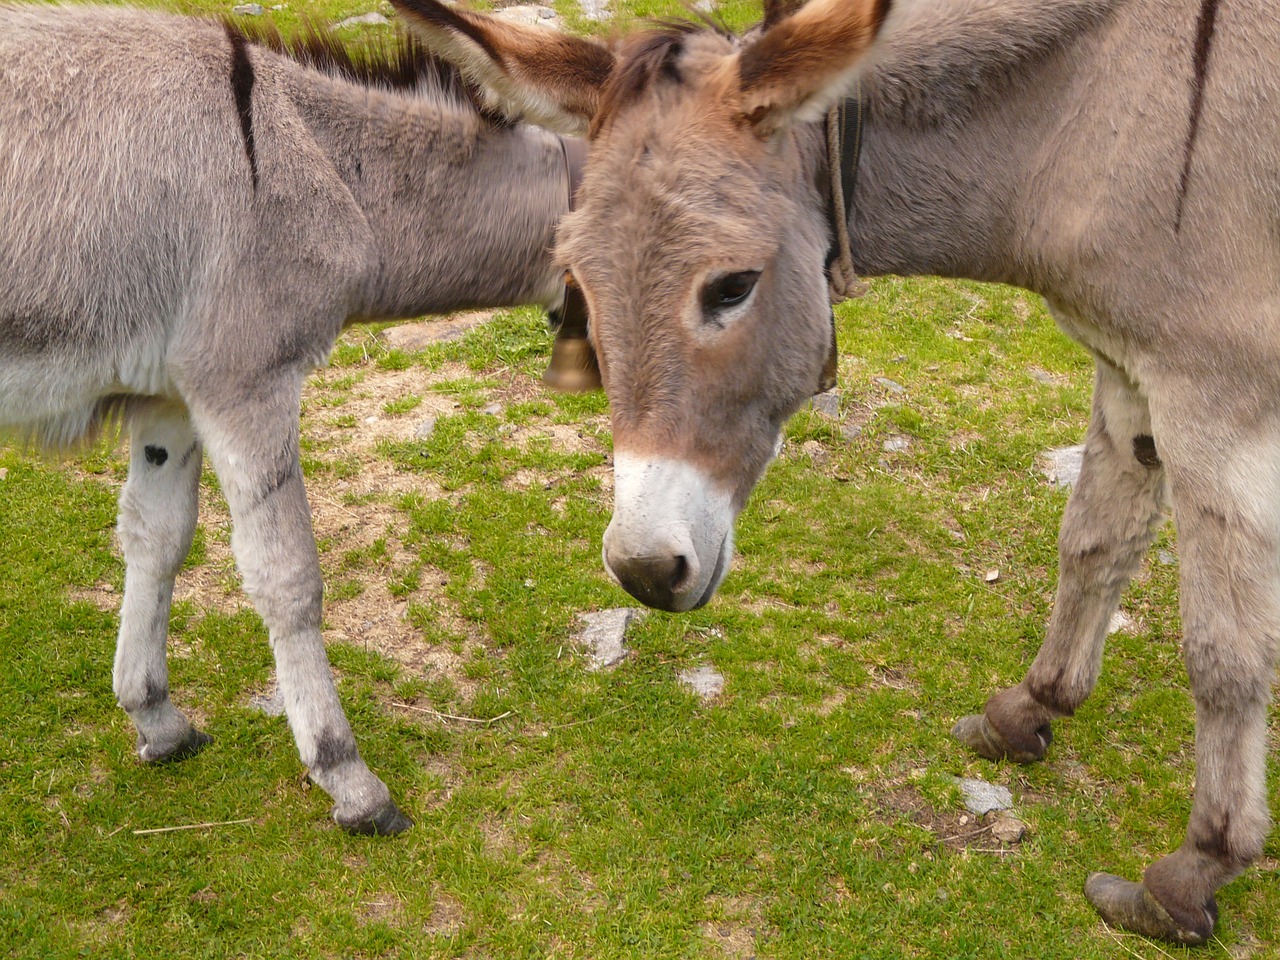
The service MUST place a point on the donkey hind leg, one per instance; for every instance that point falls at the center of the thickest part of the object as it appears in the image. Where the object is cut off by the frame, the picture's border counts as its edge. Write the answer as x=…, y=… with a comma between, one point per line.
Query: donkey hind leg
x=157, y=520
x=1229, y=535
x=1113, y=512
x=253, y=445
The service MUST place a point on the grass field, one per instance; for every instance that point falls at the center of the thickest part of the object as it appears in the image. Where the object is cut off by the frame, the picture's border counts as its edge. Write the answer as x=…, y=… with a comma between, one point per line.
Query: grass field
x=808, y=811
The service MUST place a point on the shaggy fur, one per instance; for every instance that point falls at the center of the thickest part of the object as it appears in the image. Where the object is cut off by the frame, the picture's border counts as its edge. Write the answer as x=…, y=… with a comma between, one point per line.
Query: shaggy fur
x=187, y=221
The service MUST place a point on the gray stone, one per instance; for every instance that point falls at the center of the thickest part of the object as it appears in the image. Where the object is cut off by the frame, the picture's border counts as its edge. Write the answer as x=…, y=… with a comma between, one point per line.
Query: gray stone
x=425, y=429
x=892, y=386
x=851, y=431
x=1121, y=623
x=896, y=444
x=271, y=704
x=1063, y=465
x=1165, y=557
x=528, y=13
x=492, y=409
x=247, y=9
x=705, y=681
x=827, y=404
x=595, y=9
x=1008, y=829
x=365, y=19
x=604, y=634
x=981, y=797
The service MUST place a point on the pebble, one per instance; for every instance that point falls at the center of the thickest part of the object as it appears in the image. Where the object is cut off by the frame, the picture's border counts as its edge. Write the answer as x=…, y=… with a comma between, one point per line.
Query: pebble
x=247, y=9
x=1008, y=829
x=1063, y=468
x=705, y=681
x=827, y=404
x=981, y=797
x=890, y=385
x=373, y=19
x=896, y=444
x=604, y=635
x=425, y=429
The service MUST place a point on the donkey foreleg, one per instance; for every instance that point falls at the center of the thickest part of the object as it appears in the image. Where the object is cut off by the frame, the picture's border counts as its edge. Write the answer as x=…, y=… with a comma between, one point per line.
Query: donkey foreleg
x=158, y=509
x=1230, y=585
x=1110, y=519
x=253, y=445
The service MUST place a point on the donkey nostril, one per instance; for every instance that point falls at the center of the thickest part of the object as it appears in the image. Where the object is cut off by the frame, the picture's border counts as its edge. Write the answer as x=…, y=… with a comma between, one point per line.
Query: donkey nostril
x=679, y=573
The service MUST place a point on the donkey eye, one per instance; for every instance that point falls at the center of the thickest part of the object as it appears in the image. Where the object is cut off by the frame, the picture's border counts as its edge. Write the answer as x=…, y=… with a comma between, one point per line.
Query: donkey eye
x=729, y=290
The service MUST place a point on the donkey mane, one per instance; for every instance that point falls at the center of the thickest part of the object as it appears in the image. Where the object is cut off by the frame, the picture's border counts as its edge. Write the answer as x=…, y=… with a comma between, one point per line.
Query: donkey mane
x=942, y=58
x=400, y=63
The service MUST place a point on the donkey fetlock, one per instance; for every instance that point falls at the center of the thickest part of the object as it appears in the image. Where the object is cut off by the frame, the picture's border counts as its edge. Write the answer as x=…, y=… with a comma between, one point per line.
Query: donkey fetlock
x=1134, y=907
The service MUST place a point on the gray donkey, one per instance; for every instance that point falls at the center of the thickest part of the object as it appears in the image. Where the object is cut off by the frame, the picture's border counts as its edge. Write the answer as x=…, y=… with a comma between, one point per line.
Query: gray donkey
x=1120, y=157
x=188, y=220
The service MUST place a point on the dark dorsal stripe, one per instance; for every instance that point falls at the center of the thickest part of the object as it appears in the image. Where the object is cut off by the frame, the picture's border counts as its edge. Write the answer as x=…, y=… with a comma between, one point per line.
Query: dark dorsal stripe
x=242, y=80
x=1204, y=43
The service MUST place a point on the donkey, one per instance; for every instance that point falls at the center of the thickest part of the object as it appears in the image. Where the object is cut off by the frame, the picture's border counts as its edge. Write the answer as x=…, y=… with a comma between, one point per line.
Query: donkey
x=1119, y=157
x=189, y=217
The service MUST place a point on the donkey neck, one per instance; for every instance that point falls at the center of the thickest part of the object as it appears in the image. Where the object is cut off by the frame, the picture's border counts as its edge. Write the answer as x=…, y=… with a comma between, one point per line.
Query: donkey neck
x=462, y=213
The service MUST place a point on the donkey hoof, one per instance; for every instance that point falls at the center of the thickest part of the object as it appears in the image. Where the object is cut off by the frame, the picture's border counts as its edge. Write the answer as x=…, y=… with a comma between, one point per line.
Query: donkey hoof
x=1123, y=903
x=976, y=732
x=384, y=823
x=191, y=744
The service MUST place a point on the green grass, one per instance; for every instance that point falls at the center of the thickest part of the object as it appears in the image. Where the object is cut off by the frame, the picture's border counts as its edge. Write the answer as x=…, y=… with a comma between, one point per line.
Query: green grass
x=806, y=813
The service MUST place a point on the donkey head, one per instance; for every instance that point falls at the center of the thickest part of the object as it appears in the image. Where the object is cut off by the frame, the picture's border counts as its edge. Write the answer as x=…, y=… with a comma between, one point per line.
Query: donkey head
x=699, y=241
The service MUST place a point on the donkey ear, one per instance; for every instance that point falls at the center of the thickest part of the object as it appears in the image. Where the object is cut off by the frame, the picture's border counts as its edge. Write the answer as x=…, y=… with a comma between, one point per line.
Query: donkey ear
x=536, y=73
x=806, y=61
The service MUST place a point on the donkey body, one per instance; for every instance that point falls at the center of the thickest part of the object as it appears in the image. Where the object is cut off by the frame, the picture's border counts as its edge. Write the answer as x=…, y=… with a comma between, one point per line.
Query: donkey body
x=1119, y=157
x=187, y=222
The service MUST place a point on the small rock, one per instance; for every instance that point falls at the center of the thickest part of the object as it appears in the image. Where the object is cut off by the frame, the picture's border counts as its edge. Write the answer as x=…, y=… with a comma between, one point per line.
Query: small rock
x=991, y=576
x=425, y=429
x=1164, y=556
x=896, y=444
x=604, y=634
x=827, y=404
x=595, y=9
x=814, y=451
x=1008, y=829
x=527, y=13
x=271, y=704
x=1064, y=463
x=1121, y=623
x=981, y=797
x=247, y=9
x=1042, y=376
x=851, y=431
x=891, y=386
x=370, y=19
x=4, y=473
x=704, y=681
x=493, y=409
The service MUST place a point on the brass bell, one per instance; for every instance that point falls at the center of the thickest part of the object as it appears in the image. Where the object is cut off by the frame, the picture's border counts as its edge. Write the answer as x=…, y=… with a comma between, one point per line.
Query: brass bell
x=573, y=367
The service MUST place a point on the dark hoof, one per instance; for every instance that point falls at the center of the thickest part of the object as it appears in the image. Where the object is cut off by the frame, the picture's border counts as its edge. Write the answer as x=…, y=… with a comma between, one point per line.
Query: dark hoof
x=976, y=732
x=193, y=743
x=1123, y=903
x=385, y=823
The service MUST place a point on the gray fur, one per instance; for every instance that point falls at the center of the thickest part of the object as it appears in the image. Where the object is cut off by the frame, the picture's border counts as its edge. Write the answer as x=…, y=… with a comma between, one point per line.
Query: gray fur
x=144, y=272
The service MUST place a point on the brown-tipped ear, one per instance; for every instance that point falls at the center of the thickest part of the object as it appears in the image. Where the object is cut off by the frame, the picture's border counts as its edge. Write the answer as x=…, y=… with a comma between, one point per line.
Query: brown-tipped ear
x=536, y=73
x=800, y=66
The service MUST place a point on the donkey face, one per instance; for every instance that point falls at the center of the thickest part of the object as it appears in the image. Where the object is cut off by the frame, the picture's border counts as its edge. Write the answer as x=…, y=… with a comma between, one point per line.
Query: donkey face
x=699, y=242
